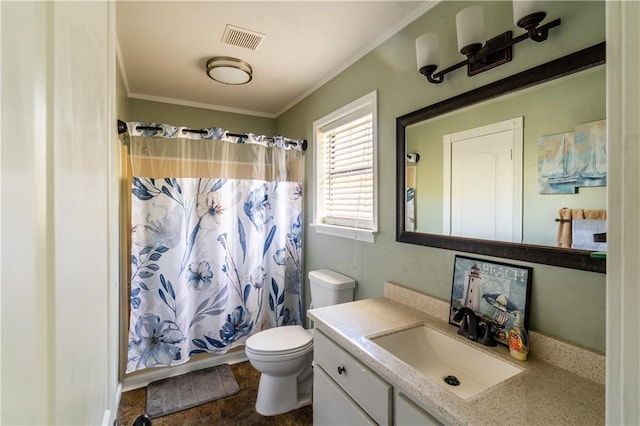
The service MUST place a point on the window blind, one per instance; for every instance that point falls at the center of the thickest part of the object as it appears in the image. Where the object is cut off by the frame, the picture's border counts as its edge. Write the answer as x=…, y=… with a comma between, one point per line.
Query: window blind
x=347, y=187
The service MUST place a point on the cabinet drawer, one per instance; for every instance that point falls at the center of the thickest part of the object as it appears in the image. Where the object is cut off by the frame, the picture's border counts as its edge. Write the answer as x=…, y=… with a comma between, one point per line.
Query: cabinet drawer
x=332, y=406
x=363, y=385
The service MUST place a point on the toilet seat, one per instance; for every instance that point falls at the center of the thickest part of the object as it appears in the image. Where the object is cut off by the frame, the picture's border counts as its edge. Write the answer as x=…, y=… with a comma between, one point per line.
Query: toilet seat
x=280, y=341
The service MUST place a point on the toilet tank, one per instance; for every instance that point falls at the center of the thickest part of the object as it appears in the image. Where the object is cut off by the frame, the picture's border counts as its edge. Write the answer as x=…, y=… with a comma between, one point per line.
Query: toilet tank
x=330, y=288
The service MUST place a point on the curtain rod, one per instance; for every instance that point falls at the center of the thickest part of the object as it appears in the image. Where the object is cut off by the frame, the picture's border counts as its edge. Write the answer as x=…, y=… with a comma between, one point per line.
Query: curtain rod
x=122, y=128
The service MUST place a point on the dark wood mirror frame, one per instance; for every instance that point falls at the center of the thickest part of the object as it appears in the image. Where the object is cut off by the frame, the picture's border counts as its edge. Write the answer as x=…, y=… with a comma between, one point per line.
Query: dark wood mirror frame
x=563, y=257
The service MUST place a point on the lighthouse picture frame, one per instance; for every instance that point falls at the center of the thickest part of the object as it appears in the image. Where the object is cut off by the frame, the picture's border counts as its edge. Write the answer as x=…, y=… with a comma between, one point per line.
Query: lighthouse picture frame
x=494, y=291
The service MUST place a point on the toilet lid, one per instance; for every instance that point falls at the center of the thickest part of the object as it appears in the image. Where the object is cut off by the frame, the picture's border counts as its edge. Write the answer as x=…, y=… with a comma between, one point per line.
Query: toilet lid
x=280, y=339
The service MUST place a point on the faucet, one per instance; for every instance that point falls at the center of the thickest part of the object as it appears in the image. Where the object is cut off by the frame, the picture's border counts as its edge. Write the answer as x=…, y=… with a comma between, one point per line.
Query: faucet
x=469, y=324
x=471, y=327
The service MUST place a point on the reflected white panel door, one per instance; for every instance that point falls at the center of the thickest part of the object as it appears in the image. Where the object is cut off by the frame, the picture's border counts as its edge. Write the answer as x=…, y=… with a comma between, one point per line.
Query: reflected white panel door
x=485, y=182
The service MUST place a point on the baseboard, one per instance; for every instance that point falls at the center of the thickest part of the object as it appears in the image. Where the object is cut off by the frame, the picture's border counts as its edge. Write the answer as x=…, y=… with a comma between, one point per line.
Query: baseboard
x=140, y=380
x=106, y=417
x=110, y=415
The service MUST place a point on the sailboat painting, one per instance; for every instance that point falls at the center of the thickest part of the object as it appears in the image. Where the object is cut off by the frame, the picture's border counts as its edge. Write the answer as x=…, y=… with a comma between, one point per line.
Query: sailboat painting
x=570, y=160
x=558, y=170
x=592, y=138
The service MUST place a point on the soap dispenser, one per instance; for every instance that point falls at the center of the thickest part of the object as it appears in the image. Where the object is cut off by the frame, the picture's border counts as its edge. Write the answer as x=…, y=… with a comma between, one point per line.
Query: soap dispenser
x=518, y=340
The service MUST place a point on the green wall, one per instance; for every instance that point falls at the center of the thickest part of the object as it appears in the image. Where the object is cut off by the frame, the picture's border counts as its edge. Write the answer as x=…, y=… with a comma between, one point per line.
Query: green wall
x=565, y=303
x=178, y=115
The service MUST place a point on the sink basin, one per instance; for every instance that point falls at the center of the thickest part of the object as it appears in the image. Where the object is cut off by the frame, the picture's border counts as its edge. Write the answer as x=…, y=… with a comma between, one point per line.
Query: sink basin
x=438, y=356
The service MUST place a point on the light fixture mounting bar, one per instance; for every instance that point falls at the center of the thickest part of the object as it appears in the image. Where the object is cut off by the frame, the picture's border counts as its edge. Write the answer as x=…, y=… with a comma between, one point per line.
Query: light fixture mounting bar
x=544, y=29
x=496, y=51
x=497, y=44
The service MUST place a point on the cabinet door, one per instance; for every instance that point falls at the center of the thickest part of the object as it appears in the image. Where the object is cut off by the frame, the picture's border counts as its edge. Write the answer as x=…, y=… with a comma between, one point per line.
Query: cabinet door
x=362, y=385
x=407, y=413
x=332, y=406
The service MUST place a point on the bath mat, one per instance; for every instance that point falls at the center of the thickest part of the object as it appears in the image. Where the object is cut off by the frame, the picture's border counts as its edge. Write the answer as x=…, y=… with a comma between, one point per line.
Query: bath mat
x=178, y=393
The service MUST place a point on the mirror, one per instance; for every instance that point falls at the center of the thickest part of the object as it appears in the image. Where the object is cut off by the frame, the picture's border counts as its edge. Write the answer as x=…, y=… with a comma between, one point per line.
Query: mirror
x=424, y=216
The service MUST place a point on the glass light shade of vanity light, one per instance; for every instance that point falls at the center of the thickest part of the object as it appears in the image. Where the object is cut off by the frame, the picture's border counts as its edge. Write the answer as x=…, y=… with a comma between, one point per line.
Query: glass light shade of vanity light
x=427, y=50
x=522, y=8
x=470, y=26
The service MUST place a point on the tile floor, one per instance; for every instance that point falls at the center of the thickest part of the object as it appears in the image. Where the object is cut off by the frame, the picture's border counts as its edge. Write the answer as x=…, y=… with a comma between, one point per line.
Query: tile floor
x=238, y=409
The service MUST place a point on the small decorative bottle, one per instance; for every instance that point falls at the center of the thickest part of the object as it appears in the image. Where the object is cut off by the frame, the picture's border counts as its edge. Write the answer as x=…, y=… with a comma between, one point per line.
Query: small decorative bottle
x=518, y=339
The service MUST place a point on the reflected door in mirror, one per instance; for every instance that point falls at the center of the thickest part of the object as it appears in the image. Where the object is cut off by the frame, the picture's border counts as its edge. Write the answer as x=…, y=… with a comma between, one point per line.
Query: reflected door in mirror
x=484, y=184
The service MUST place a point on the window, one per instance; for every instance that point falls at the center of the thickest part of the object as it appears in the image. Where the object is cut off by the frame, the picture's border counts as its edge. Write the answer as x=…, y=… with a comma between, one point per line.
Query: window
x=345, y=164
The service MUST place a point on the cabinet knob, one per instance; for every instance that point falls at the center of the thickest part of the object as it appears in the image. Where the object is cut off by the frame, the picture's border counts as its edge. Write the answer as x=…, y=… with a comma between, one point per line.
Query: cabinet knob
x=341, y=369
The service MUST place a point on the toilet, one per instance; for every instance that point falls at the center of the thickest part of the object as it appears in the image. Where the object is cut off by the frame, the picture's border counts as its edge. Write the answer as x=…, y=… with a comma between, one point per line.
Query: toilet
x=283, y=355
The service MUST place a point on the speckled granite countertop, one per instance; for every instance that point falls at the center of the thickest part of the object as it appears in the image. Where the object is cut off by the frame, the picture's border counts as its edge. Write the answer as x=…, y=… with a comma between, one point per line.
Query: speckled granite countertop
x=542, y=394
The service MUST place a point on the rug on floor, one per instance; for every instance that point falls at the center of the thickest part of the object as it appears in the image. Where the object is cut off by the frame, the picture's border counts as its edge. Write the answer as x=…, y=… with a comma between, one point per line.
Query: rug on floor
x=178, y=393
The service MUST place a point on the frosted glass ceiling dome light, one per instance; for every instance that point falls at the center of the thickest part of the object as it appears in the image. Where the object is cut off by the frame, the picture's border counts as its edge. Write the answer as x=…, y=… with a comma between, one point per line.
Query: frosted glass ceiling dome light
x=229, y=70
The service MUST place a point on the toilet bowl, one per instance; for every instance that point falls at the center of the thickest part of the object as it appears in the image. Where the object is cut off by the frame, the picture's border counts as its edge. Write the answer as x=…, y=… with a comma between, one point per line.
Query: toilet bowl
x=283, y=355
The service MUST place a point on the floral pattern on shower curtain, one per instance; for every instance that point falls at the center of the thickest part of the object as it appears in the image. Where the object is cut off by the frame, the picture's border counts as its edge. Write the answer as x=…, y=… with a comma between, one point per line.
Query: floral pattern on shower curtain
x=213, y=259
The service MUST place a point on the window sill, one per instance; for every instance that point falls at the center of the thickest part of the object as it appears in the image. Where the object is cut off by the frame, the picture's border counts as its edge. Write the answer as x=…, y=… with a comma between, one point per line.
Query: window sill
x=345, y=232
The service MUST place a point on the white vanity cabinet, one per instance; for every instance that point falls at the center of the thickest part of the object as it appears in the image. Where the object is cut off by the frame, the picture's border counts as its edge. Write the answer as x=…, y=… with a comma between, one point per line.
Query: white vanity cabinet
x=332, y=406
x=407, y=413
x=346, y=392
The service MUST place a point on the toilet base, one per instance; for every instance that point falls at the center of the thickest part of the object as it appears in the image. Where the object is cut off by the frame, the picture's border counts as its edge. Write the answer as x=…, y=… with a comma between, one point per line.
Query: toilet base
x=279, y=395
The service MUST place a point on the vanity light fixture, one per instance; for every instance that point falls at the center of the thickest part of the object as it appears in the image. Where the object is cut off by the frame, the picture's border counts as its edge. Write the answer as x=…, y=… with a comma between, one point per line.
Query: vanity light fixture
x=227, y=70
x=482, y=56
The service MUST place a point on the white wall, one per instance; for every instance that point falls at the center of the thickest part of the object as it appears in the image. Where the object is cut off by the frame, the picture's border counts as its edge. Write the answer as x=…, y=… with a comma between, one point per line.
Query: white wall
x=25, y=315
x=623, y=204
x=59, y=211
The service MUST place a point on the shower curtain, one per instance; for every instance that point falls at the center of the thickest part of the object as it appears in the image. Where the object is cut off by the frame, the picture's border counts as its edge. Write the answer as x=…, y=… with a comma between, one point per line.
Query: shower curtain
x=216, y=240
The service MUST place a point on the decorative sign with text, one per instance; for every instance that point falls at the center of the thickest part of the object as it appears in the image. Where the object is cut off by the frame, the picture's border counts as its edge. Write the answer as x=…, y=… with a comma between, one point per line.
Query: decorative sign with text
x=493, y=290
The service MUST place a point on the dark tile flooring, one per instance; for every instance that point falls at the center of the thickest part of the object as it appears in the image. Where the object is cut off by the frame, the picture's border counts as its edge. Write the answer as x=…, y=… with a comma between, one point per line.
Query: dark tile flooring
x=238, y=409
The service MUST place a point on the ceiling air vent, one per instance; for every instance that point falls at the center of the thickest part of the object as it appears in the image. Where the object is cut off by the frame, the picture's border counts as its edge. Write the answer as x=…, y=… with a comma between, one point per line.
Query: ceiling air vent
x=240, y=37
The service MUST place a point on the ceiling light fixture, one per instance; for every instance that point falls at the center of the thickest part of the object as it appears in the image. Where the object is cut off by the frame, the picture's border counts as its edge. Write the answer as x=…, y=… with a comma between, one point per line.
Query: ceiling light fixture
x=482, y=56
x=227, y=70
